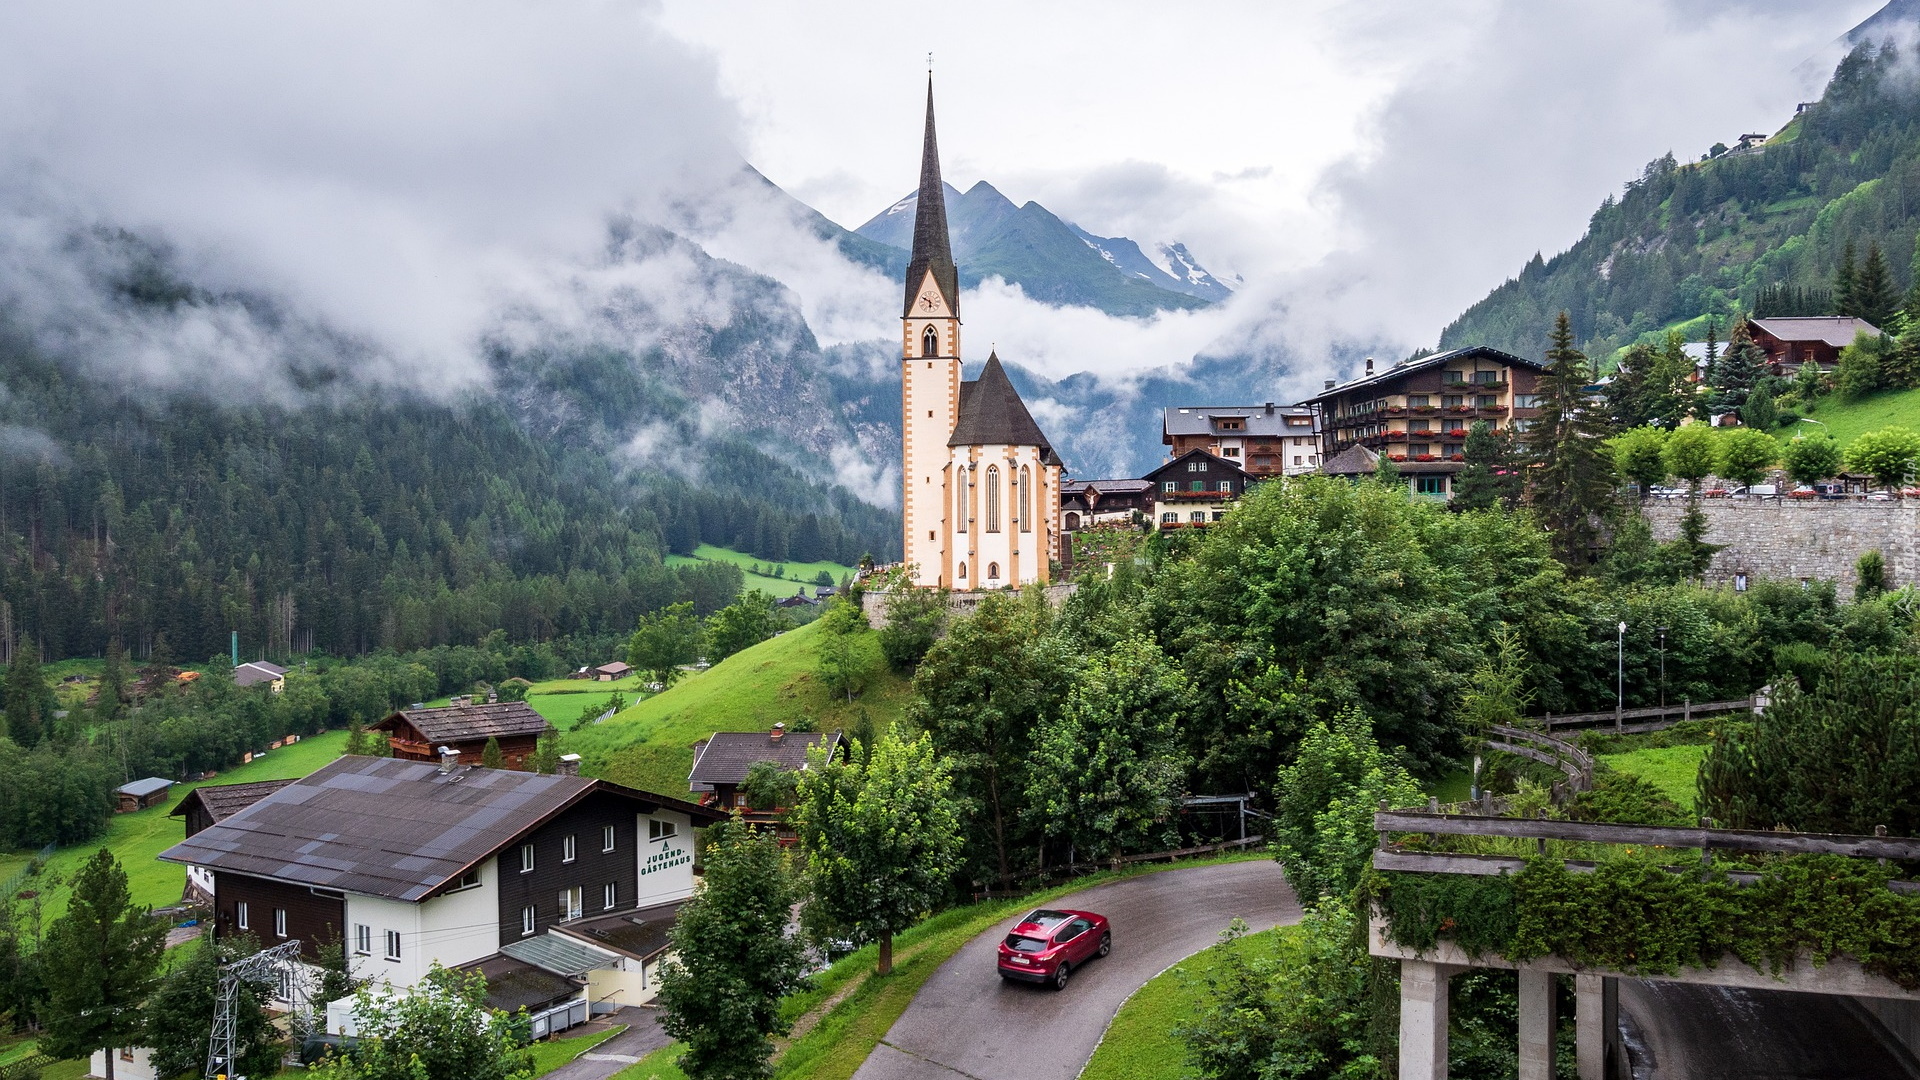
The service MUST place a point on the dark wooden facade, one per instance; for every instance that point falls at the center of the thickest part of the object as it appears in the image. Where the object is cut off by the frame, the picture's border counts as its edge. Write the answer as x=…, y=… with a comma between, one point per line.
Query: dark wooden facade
x=591, y=869
x=314, y=916
x=410, y=744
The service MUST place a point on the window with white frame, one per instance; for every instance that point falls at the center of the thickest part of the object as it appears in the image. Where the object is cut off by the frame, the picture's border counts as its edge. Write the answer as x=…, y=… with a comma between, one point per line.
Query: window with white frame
x=570, y=903
x=393, y=945
x=526, y=858
x=660, y=830
x=609, y=896
x=362, y=939
x=1169, y=517
x=279, y=922
x=606, y=838
x=568, y=849
x=241, y=916
x=526, y=921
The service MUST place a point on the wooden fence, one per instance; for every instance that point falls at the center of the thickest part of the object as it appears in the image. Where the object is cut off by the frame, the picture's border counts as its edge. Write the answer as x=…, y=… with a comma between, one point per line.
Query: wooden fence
x=1663, y=716
x=1705, y=838
x=1576, y=763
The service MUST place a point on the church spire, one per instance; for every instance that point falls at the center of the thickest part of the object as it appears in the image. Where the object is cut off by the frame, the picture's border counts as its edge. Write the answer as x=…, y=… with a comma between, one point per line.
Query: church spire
x=932, y=250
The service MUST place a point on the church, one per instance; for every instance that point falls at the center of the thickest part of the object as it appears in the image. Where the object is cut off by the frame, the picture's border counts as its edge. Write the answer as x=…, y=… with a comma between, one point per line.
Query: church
x=980, y=483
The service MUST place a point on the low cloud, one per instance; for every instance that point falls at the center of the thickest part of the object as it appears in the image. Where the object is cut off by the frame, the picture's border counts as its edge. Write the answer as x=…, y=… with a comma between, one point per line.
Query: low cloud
x=20, y=443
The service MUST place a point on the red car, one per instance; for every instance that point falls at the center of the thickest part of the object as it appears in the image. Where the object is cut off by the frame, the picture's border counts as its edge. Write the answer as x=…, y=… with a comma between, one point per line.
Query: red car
x=1049, y=944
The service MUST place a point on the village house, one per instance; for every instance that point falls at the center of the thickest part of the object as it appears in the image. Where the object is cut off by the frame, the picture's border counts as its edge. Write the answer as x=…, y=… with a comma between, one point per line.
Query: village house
x=419, y=734
x=1195, y=490
x=1265, y=440
x=256, y=672
x=1790, y=342
x=205, y=807
x=1417, y=412
x=721, y=763
x=612, y=672
x=1085, y=503
x=552, y=886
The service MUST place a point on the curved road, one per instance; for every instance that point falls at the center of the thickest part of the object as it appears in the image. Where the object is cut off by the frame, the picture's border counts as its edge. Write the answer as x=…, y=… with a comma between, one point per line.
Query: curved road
x=966, y=1022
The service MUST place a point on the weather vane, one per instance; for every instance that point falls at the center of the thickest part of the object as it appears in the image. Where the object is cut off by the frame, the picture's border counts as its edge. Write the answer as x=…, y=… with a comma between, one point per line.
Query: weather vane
x=929, y=63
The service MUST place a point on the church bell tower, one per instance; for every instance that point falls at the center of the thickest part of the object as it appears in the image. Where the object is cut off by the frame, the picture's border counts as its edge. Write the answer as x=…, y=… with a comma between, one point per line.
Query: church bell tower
x=929, y=376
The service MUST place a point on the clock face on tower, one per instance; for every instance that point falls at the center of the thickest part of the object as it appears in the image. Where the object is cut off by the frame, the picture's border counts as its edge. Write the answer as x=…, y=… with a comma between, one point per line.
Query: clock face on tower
x=926, y=301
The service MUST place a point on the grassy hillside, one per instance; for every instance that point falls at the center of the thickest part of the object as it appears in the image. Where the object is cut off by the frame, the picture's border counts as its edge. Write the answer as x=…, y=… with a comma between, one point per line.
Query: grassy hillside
x=793, y=574
x=1899, y=408
x=137, y=839
x=650, y=746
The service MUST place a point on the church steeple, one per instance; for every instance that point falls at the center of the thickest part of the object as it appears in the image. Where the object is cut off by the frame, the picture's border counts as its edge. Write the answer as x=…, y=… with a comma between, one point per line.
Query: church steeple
x=932, y=249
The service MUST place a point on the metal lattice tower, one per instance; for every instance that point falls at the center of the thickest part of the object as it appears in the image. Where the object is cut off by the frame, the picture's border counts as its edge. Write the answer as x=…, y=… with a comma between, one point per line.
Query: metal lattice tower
x=282, y=958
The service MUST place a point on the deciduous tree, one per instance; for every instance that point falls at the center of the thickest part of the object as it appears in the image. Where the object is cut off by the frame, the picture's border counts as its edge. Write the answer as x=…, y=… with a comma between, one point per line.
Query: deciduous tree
x=1811, y=458
x=733, y=959
x=664, y=641
x=1887, y=455
x=439, y=1028
x=882, y=839
x=1745, y=455
x=745, y=622
x=1324, y=805
x=1108, y=770
x=1638, y=457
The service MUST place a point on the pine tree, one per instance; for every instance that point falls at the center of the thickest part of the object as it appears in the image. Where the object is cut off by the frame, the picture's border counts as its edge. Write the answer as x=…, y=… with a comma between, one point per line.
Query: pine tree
x=490, y=755
x=107, y=952
x=1874, y=297
x=1843, y=281
x=1760, y=412
x=1570, y=482
x=1735, y=376
x=1491, y=477
x=113, y=682
x=27, y=695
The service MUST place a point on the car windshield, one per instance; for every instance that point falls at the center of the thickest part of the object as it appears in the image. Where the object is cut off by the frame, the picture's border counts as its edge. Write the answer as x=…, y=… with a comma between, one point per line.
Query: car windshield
x=1025, y=944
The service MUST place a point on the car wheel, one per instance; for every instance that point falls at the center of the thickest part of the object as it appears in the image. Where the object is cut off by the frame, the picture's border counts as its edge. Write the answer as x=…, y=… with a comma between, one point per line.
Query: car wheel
x=1060, y=975
x=1106, y=944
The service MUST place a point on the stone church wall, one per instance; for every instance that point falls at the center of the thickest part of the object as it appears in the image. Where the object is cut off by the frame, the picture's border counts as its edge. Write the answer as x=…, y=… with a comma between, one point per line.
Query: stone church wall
x=1789, y=539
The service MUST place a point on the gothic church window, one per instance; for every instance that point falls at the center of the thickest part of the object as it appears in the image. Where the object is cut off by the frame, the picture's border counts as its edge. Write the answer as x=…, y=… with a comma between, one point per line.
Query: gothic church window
x=960, y=502
x=1021, y=506
x=993, y=571
x=962, y=575
x=993, y=498
x=929, y=343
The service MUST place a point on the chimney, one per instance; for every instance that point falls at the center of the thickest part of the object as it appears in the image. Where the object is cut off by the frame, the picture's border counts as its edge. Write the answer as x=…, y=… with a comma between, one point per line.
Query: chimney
x=449, y=759
x=779, y=732
x=1269, y=408
x=1330, y=385
x=568, y=765
x=1369, y=365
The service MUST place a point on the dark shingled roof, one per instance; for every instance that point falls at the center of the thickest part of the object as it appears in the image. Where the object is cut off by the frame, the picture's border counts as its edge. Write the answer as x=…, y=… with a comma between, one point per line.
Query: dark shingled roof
x=639, y=934
x=513, y=985
x=1215, y=462
x=393, y=828
x=1355, y=460
x=222, y=801
x=725, y=758
x=470, y=723
x=991, y=413
x=932, y=249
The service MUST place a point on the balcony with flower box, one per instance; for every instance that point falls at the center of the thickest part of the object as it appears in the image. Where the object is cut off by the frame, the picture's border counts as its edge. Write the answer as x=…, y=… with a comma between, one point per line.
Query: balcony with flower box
x=1457, y=433
x=1426, y=457
x=1491, y=411
x=1196, y=496
x=1460, y=410
x=1456, y=457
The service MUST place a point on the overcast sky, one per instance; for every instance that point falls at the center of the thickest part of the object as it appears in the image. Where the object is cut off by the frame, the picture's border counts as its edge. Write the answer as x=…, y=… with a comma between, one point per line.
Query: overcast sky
x=1407, y=155
x=403, y=173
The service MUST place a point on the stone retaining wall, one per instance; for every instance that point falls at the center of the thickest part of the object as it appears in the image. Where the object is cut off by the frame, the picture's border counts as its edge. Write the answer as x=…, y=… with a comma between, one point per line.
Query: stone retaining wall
x=873, y=604
x=1792, y=539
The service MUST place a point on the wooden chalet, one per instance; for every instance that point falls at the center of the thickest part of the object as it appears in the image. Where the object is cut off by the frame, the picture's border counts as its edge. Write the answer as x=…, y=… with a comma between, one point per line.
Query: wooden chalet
x=141, y=794
x=1195, y=490
x=721, y=764
x=418, y=734
x=1790, y=342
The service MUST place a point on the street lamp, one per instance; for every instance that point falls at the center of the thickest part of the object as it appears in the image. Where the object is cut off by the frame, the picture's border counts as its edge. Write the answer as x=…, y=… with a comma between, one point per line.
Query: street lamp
x=1620, y=676
x=1663, y=667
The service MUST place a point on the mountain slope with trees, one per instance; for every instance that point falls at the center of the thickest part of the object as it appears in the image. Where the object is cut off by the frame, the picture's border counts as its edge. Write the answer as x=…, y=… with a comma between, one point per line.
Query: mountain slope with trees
x=1765, y=230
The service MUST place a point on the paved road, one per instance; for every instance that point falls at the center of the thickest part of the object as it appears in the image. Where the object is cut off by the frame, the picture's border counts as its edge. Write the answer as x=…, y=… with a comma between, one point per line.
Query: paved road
x=967, y=1023
x=642, y=1037
x=1680, y=1032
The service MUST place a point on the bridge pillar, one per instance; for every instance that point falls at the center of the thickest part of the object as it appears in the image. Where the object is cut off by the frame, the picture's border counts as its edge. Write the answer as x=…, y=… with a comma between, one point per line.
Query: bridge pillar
x=1536, y=1025
x=1423, y=1019
x=1596, y=1019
